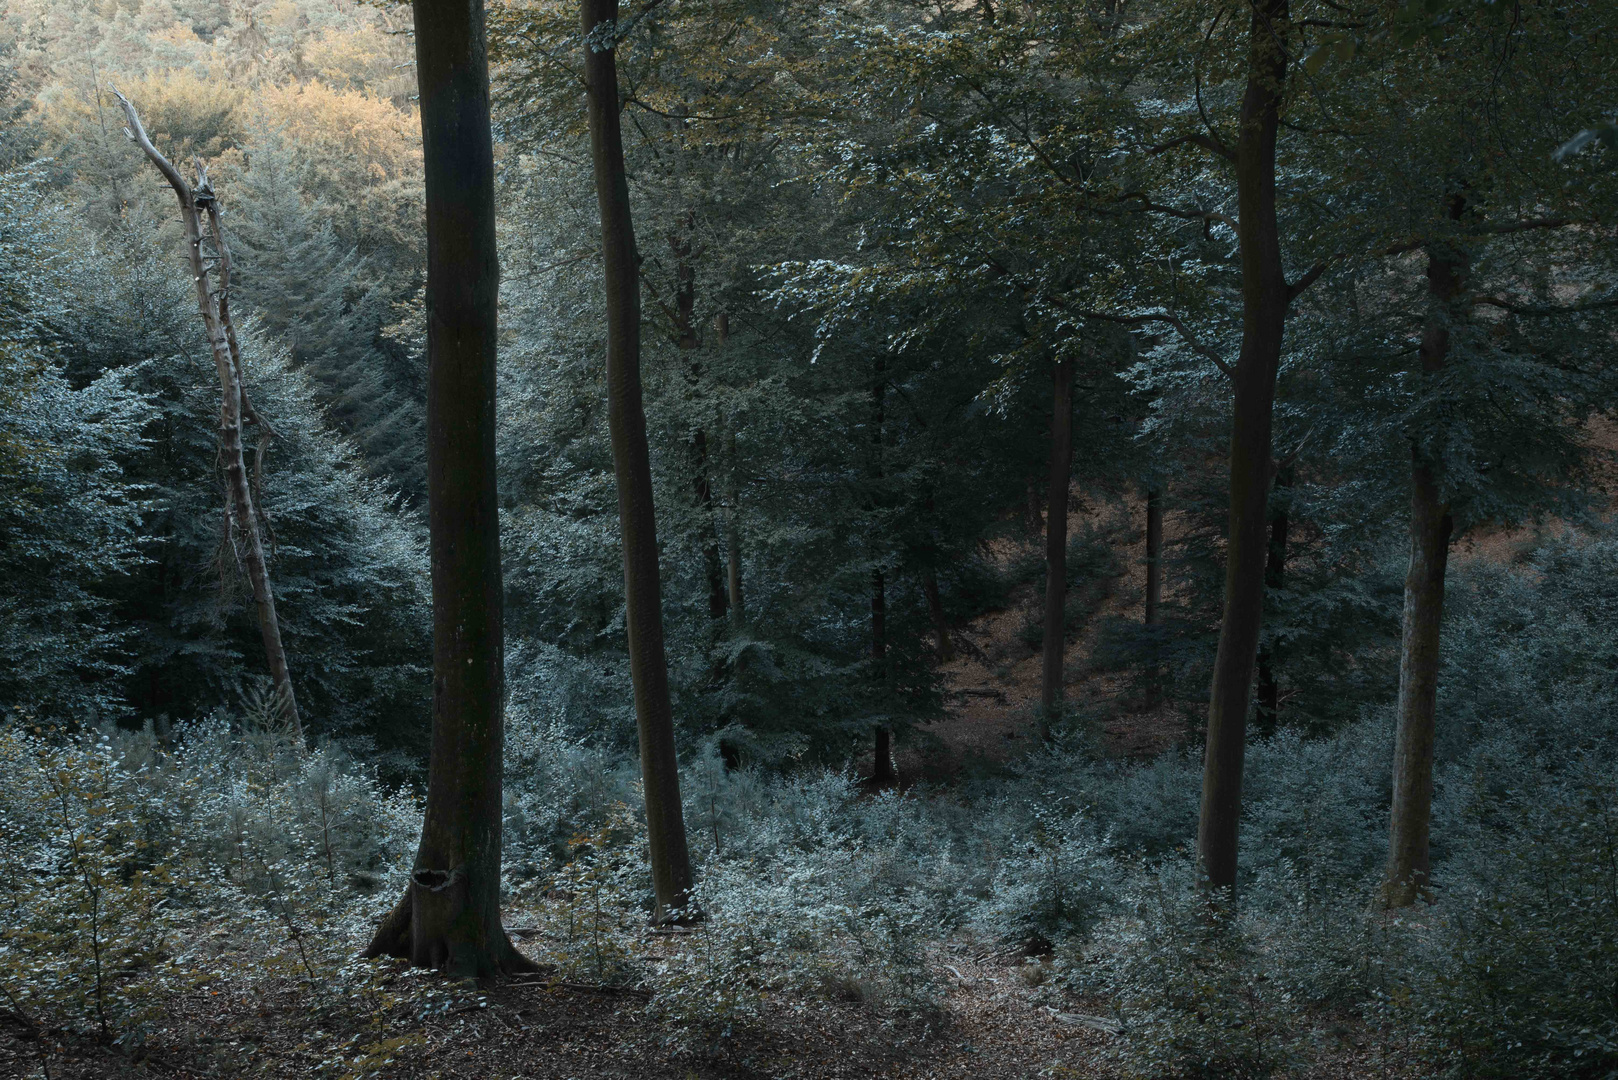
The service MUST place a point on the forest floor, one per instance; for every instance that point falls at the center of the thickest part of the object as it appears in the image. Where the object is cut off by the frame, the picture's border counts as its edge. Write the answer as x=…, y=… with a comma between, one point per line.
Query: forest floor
x=993, y=1022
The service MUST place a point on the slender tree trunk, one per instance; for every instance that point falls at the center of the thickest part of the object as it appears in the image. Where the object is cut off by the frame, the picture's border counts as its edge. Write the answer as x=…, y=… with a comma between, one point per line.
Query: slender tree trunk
x=1154, y=556
x=1052, y=675
x=733, y=536
x=1265, y=298
x=882, y=771
x=450, y=915
x=221, y=331
x=1407, y=874
x=1033, y=519
x=1267, y=707
x=935, y=612
x=626, y=421
x=685, y=303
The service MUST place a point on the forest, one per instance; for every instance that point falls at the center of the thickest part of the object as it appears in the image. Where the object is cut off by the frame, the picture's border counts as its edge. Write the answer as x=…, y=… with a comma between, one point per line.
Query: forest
x=809, y=538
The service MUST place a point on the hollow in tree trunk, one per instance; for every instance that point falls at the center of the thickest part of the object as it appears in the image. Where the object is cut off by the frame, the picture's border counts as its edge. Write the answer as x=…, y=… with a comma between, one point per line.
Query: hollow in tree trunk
x=626, y=422
x=1407, y=875
x=449, y=916
x=1265, y=298
x=1061, y=470
x=214, y=306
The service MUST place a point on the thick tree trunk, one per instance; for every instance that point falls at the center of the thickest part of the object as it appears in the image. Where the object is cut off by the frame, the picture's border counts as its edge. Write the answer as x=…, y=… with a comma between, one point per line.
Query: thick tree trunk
x=1154, y=556
x=882, y=771
x=1052, y=675
x=221, y=331
x=1267, y=707
x=449, y=916
x=1265, y=297
x=1407, y=875
x=626, y=421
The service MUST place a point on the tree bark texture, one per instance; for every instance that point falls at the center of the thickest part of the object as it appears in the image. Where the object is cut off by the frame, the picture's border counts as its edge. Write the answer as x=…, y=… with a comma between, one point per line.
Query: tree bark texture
x=626, y=422
x=1407, y=874
x=1265, y=298
x=1061, y=471
x=1154, y=556
x=449, y=917
x=1267, y=707
x=215, y=310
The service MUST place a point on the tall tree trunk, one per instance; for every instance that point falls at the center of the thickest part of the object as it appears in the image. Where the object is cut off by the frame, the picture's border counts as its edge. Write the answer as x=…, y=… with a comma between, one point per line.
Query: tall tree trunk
x=1052, y=675
x=1431, y=526
x=1265, y=297
x=1154, y=556
x=221, y=331
x=685, y=331
x=450, y=915
x=882, y=771
x=626, y=421
x=1267, y=707
x=733, y=536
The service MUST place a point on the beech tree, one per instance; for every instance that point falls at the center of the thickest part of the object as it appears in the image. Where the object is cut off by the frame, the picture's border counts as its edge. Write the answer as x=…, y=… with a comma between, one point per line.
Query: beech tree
x=626, y=419
x=449, y=916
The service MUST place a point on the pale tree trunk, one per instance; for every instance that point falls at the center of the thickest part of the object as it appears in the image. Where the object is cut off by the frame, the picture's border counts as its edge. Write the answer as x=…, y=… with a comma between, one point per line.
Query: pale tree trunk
x=626, y=421
x=221, y=331
x=1407, y=876
x=1154, y=556
x=1052, y=675
x=1265, y=298
x=449, y=916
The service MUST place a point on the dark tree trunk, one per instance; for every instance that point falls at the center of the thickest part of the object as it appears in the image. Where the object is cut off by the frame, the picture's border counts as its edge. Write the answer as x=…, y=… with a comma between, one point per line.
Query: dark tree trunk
x=882, y=771
x=1154, y=556
x=1265, y=297
x=1052, y=675
x=1267, y=707
x=733, y=535
x=685, y=332
x=449, y=916
x=1407, y=874
x=1033, y=518
x=233, y=404
x=626, y=421
x=935, y=612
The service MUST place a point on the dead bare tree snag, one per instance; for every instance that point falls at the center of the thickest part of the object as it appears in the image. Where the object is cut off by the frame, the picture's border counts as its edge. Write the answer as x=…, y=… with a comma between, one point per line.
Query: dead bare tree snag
x=234, y=407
